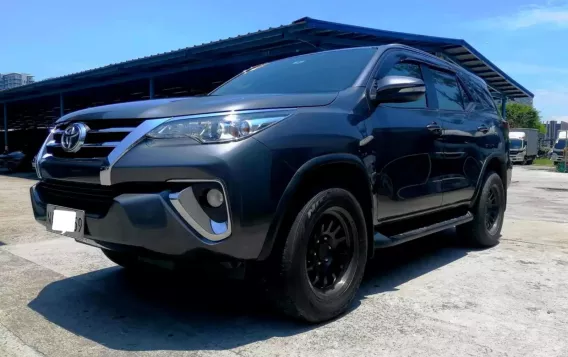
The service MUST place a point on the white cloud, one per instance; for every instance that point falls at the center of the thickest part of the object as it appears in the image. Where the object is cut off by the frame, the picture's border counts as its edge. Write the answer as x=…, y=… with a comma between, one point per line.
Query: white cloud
x=533, y=15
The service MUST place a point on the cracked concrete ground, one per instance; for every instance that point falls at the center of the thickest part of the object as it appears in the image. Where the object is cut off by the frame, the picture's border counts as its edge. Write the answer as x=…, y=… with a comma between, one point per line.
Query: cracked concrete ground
x=429, y=297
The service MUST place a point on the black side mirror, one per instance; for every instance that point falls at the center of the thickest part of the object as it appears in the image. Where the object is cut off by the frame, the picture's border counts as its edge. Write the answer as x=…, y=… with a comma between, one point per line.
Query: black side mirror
x=397, y=89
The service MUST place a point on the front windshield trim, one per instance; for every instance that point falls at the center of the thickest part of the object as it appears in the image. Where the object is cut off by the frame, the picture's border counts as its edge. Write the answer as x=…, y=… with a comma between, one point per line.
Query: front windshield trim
x=358, y=81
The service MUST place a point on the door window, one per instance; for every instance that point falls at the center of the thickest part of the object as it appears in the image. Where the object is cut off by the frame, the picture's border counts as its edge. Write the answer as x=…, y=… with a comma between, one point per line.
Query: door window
x=408, y=70
x=465, y=96
x=447, y=91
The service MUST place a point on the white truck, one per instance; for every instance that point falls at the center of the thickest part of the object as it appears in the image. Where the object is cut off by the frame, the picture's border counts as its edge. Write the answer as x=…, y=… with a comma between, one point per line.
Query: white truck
x=559, y=149
x=523, y=145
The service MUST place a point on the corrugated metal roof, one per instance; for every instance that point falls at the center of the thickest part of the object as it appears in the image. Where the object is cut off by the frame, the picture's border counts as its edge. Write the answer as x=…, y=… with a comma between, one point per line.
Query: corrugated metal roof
x=306, y=30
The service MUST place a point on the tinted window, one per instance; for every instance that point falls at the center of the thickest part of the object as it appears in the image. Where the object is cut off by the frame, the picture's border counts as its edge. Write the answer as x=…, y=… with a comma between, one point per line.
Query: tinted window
x=465, y=96
x=447, y=91
x=319, y=72
x=481, y=95
x=409, y=70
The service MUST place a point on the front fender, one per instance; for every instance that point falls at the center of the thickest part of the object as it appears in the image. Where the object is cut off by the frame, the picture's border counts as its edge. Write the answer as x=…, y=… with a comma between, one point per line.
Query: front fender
x=288, y=197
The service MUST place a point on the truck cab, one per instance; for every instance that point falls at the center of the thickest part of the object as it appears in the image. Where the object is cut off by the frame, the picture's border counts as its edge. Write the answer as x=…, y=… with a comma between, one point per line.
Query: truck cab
x=523, y=145
x=559, y=149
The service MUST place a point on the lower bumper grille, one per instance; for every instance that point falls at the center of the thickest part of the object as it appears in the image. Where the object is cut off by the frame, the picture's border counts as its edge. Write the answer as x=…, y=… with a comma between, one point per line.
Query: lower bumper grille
x=92, y=198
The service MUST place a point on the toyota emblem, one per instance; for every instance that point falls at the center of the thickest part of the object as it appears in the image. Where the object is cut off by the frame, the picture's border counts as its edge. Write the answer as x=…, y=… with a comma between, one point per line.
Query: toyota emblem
x=74, y=137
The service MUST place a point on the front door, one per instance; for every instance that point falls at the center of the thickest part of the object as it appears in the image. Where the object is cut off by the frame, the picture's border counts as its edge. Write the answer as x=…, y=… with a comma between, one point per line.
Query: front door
x=407, y=146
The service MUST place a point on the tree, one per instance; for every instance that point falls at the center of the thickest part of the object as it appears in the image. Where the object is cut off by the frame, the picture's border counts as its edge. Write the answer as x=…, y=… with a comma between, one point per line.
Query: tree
x=523, y=116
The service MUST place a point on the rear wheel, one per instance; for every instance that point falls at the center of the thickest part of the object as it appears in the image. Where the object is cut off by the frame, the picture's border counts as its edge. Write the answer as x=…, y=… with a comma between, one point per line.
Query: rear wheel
x=489, y=211
x=322, y=264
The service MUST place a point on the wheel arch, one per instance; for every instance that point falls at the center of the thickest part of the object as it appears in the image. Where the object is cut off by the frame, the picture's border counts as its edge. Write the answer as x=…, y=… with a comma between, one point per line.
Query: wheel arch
x=349, y=172
x=495, y=163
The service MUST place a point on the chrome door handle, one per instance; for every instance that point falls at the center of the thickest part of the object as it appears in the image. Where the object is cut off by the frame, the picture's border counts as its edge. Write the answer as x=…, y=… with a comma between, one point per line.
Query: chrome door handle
x=434, y=128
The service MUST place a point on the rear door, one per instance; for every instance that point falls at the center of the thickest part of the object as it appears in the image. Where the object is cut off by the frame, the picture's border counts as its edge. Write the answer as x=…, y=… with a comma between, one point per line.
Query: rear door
x=406, y=144
x=461, y=161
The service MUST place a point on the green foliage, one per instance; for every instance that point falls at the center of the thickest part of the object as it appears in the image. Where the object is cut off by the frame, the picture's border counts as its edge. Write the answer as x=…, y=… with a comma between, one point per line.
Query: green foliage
x=523, y=116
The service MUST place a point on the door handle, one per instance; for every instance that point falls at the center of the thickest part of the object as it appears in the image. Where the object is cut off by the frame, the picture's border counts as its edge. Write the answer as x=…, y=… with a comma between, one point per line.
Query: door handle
x=483, y=129
x=434, y=128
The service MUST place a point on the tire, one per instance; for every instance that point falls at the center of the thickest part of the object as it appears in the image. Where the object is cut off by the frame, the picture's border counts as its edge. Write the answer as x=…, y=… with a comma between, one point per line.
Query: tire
x=125, y=260
x=480, y=232
x=298, y=284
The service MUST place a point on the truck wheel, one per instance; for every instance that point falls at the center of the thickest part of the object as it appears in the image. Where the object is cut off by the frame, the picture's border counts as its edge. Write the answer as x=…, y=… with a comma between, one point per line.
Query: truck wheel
x=488, y=213
x=323, y=260
x=125, y=260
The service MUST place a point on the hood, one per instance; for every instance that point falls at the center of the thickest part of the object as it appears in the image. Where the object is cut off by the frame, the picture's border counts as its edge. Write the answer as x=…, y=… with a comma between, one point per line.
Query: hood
x=171, y=107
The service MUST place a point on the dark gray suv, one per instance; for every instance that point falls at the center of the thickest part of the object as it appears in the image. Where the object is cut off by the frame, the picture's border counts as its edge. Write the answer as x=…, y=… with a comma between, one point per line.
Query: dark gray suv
x=296, y=169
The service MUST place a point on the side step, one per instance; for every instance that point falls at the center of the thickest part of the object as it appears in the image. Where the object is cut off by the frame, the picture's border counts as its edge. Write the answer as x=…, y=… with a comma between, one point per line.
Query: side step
x=382, y=241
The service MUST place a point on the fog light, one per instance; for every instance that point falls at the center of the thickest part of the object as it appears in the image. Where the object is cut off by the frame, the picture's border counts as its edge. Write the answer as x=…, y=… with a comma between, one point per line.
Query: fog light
x=215, y=198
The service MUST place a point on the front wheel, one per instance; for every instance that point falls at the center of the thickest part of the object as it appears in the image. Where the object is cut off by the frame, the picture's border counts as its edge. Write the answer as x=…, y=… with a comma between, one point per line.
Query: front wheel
x=488, y=212
x=324, y=257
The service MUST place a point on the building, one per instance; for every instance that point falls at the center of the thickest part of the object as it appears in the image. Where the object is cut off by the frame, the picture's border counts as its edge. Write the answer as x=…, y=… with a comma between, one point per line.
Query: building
x=552, y=129
x=199, y=69
x=13, y=80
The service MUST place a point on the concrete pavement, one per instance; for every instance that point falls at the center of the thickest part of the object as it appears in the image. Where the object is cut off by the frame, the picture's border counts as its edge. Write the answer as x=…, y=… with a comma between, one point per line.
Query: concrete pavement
x=429, y=297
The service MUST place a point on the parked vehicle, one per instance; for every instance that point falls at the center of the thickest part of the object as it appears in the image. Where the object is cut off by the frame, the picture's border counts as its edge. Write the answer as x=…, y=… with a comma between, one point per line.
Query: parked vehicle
x=299, y=169
x=560, y=148
x=523, y=145
x=13, y=161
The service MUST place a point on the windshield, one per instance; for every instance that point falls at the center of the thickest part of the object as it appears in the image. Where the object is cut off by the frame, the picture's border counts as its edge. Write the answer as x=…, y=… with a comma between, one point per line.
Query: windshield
x=560, y=144
x=516, y=144
x=315, y=73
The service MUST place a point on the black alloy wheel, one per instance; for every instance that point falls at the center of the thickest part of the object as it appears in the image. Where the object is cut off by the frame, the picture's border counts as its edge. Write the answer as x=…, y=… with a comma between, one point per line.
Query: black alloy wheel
x=492, y=209
x=330, y=251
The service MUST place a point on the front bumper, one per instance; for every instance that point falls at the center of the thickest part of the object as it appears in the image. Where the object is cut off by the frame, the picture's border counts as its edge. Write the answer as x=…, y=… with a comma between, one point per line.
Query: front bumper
x=149, y=222
x=147, y=219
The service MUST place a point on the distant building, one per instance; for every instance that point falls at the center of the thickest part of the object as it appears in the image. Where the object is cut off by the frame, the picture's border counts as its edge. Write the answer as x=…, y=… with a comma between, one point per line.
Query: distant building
x=552, y=129
x=13, y=80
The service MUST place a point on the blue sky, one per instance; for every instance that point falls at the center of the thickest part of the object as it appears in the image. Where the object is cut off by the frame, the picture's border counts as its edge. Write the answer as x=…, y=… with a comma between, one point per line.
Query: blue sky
x=527, y=39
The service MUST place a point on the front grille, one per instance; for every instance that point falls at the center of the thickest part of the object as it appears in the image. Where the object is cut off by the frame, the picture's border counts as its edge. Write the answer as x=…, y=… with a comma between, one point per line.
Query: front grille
x=102, y=137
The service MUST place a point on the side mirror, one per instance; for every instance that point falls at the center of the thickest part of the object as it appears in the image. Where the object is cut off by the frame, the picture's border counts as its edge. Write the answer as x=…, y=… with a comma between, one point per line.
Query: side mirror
x=397, y=89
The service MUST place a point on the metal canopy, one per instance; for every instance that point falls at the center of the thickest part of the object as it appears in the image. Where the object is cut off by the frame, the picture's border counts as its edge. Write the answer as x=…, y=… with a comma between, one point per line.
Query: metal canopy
x=301, y=36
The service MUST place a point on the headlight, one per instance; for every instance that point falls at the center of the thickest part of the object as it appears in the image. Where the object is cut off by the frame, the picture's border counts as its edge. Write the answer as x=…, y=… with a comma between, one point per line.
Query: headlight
x=218, y=127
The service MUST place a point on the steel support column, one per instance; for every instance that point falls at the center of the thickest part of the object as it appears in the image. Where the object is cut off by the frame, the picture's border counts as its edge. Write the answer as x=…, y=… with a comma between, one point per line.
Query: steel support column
x=503, y=107
x=61, y=105
x=151, y=87
x=6, y=126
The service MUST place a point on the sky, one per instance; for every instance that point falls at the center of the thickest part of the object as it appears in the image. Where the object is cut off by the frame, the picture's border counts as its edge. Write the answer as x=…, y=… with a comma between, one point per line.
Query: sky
x=525, y=38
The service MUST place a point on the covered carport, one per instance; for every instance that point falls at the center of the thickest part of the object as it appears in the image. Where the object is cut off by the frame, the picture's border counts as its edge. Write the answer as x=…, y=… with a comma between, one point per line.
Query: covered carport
x=29, y=110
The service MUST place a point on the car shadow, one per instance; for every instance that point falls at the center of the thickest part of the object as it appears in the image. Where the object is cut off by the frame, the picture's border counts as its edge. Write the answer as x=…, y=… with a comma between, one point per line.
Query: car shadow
x=29, y=175
x=139, y=312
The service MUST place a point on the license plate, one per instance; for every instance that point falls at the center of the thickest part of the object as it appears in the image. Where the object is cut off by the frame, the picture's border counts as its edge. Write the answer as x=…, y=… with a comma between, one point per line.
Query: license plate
x=67, y=221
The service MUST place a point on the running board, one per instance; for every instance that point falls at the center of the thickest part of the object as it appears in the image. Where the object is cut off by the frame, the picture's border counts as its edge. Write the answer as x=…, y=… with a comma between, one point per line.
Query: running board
x=382, y=241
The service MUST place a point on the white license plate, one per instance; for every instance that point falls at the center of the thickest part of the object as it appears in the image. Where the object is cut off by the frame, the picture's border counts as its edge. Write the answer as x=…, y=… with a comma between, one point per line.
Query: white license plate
x=67, y=221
